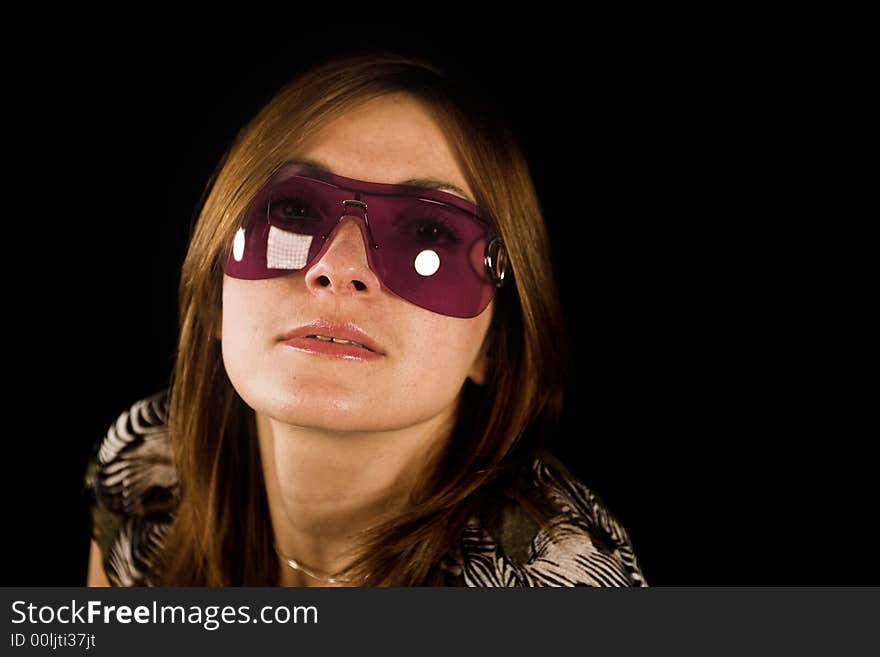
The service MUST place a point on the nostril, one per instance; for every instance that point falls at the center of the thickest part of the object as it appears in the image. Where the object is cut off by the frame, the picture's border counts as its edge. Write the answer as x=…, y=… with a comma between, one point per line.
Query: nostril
x=359, y=286
x=324, y=281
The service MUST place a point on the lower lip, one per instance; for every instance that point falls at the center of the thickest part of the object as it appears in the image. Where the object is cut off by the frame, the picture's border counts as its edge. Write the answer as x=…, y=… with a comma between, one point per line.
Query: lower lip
x=325, y=348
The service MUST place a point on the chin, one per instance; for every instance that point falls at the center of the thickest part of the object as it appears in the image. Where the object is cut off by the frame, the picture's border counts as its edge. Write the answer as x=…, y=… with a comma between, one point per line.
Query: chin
x=310, y=408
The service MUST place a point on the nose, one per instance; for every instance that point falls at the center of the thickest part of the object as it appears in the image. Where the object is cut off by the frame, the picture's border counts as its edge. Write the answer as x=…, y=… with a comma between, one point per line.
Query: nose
x=343, y=267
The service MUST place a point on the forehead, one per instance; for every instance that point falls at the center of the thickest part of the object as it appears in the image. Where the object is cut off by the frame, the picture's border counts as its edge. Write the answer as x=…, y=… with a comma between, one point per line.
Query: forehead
x=316, y=166
x=390, y=139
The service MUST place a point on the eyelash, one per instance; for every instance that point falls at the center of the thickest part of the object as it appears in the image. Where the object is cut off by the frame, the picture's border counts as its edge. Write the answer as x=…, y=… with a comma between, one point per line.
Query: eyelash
x=445, y=228
x=291, y=200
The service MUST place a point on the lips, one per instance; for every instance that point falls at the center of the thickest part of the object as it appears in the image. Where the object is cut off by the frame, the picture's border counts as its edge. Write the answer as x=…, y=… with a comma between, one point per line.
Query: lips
x=339, y=341
x=330, y=331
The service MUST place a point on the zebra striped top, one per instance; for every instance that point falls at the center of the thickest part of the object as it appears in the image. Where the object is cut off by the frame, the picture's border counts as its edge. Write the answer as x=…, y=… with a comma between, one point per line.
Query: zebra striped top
x=133, y=489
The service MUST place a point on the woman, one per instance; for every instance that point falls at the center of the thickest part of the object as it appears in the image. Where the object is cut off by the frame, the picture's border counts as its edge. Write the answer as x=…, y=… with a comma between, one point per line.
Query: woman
x=371, y=360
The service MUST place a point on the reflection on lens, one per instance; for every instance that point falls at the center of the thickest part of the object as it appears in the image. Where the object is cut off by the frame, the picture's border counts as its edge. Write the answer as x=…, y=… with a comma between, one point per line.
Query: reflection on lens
x=238, y=245
x=427, y=262
x=286, y=250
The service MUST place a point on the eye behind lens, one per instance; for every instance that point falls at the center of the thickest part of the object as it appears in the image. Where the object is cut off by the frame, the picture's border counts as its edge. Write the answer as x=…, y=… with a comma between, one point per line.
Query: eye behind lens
x=433, y=231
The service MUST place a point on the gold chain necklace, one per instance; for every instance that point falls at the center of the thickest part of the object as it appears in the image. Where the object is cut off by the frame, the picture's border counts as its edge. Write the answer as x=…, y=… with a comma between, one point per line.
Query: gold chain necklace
x=298, y=566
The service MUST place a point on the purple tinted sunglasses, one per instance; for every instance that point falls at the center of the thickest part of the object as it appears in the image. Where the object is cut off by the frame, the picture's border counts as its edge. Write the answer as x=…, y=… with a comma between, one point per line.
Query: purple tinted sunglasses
x=432, y=248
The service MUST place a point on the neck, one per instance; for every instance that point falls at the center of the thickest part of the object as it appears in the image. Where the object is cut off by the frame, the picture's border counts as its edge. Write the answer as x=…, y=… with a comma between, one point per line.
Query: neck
x=323, y=487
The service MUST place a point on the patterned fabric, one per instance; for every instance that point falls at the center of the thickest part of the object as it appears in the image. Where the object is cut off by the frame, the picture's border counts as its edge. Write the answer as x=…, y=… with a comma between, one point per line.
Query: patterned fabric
x=134, y=493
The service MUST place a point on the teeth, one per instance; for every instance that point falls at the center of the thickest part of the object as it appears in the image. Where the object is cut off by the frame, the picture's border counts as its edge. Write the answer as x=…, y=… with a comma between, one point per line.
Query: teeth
x=339, y=341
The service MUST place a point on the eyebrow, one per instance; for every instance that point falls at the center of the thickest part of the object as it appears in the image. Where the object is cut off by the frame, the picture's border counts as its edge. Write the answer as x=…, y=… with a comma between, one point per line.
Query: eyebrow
x=428, y=183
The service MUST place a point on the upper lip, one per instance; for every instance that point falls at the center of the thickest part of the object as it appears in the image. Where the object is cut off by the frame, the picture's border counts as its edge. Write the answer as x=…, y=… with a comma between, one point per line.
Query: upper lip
x=333, y=329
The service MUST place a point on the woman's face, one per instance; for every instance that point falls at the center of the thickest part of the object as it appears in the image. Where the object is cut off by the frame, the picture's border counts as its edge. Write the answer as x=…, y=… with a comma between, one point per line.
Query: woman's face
x=427, y=356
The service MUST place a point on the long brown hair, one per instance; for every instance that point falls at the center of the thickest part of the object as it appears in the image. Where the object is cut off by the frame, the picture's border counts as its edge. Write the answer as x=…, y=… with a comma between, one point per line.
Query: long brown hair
x=222, y=535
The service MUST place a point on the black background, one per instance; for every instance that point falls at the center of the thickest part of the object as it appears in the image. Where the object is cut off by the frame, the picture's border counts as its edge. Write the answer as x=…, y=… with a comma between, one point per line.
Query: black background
x=708, y=410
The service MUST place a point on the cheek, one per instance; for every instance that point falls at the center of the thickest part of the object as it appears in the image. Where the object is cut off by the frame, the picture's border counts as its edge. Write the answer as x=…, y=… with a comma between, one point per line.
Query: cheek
x=244, y=306
x=443, y=351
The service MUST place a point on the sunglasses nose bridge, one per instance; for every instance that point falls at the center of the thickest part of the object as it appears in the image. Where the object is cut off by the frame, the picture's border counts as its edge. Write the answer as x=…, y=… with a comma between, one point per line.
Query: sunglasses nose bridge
x=355, y=209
